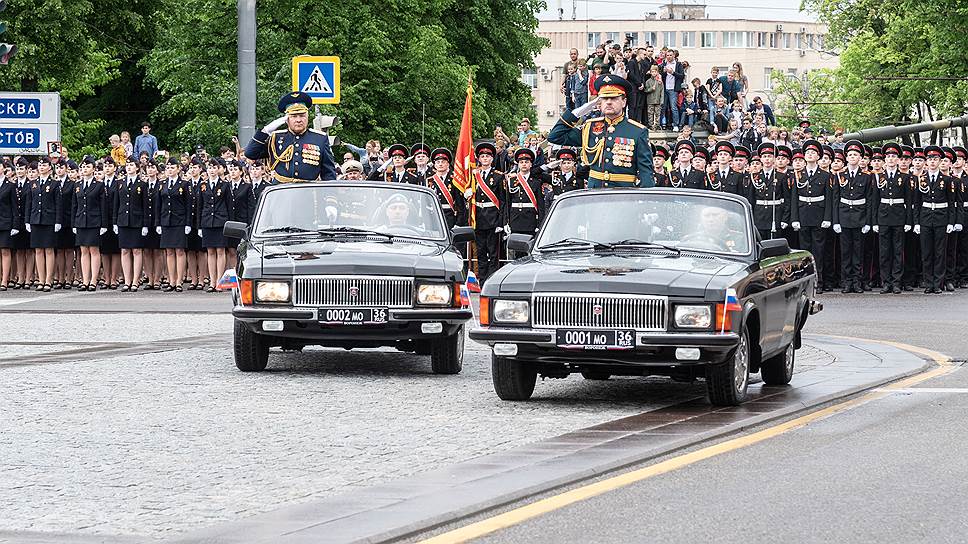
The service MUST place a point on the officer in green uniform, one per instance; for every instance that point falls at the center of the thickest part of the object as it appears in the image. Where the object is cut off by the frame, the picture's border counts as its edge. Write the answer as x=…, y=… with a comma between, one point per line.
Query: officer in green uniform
x=615, y=148
x=296, y=152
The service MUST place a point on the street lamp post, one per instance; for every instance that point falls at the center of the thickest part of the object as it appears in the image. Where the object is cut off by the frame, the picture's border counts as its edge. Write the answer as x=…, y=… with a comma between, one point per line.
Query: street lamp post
x=246, y=69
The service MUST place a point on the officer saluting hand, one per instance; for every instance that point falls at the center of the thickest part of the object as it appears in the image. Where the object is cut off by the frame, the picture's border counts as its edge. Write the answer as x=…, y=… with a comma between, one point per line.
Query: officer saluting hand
x=295, y=153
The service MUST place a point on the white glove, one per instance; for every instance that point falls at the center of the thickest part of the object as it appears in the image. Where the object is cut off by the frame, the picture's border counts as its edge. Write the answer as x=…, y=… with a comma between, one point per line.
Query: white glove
x=188, y=229
x=144, y=231
x=74, y=230
x=57, y=227
x=28, y=227
x=158, y=230
x=331, y=213
x=584, y=110
x=795, y=225
x=199, y=233
x=14, y=232
x=837, y=228
x=958, y=227
x=274, y=125
x=825, y=225
x=865, y=229
x=383, y=167
x=499, y=230
x=907, y=228
x=507, y=230
x=949, y=228
x=877, y=228
x=917, y=229
x=468, y=193
x=783, y=225
x=114, y=229
x=101, y=231
x=550, y=166
x=656, y=231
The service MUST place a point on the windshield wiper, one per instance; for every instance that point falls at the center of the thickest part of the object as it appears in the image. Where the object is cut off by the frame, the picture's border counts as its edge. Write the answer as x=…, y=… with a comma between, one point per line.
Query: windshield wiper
x=285, y=229
x=353, y=230
x=572, y=242
x=635, y=242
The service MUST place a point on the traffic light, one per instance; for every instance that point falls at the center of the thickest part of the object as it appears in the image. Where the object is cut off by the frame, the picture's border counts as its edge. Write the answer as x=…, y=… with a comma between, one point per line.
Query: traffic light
x=7, y=50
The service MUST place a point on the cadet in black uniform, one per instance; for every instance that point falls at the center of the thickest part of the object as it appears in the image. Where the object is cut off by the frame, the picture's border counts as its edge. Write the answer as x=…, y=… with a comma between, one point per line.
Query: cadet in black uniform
x=214, y=202
x=66, y=172
x=769, y=195
x=811, y=207
x=489, y=202
x=174, y=213
x=441, y=183
x=9, y=220
x=683, y=174
x=89, y=217
x=23, y=266
x=242, y=206
x=43, y=220
x=131, y=204
x=951, y=251
x=153, y=256
x=566, y=177
x=110, y=248
x=197, y=259
x=525, y=209
x=395, y=168
x=891, y=199
x=724, y=178
x=852, y=216
x=912, y=242
x=660, y=154
x=933, y=217
x=421, y=160
x=960, y=278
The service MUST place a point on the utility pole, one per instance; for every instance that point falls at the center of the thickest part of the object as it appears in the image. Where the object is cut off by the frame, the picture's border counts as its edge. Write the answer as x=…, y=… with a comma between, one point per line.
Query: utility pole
x=246, y=68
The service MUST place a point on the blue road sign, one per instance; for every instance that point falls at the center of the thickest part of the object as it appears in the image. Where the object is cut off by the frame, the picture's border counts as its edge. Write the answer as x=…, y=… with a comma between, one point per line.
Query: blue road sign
x=29, y=122
x=318, y=77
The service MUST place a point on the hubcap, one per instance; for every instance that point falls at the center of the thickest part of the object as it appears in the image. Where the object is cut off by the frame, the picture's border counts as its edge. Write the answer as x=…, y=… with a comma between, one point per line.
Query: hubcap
x=788, y=360
x=741, y=365
x=460, y=345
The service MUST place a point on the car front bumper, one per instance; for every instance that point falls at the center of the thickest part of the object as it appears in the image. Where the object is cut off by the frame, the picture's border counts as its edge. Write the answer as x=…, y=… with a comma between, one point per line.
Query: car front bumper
x=402, y=324
x=651, y=348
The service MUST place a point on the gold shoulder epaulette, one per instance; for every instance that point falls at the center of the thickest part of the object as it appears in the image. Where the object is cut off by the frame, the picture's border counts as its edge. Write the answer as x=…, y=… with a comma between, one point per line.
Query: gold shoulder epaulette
x=636, y=123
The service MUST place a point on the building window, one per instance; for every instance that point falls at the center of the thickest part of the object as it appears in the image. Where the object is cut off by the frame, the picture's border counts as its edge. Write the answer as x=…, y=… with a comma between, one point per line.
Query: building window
x=768, y=78
x=792, y=72
x=773, y=40
x=613, y=36
x=592, y=40
x=633, y=38
x=707, y=39
x=650, y=38
x=761, y=40
x=669, y=39
x=734, y=39
x=809, y=41
x=688, y=39
x=786, y=40
x=819, y=42
x=529, y=76
x=799, y=41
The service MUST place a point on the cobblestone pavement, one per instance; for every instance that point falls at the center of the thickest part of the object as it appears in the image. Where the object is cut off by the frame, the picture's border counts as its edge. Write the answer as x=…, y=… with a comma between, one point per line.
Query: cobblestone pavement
x=154, y=444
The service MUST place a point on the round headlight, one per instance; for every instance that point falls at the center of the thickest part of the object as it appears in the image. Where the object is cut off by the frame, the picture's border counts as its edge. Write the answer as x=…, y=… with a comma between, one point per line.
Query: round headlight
x=272, y=291
x=510, y=311
x=694, y=317
x=434, y=294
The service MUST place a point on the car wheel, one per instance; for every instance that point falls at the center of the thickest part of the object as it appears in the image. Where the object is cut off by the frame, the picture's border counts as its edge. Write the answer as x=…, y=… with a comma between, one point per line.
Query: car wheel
x=512, y=380
x=778, y=370
x=251, y=349
x=726, y=383
x=447, y=354
x=595, y=375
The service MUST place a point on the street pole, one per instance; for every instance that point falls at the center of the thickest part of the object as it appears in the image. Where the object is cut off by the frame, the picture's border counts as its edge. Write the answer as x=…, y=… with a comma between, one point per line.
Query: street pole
x=246, y=67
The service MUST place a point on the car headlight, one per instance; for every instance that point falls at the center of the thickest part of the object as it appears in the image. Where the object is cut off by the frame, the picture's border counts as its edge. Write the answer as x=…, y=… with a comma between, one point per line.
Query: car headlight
x=693, y=316
x=510, y=311
x=434, y=293
x=272, y=291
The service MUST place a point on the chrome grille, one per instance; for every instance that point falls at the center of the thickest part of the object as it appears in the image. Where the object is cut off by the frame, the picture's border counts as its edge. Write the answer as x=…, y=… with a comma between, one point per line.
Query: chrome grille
x=642, y=313
x=391, y=292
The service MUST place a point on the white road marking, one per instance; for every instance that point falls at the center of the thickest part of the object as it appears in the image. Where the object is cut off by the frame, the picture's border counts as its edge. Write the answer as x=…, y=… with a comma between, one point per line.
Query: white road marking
x=910, y=390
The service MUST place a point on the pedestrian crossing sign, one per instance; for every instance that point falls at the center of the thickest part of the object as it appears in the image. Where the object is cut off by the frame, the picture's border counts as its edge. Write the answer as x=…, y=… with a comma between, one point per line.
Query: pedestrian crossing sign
x=318, y=77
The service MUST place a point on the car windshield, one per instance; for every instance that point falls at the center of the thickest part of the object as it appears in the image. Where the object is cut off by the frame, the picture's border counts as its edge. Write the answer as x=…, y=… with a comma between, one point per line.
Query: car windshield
x=386, y=209
x=601, y=220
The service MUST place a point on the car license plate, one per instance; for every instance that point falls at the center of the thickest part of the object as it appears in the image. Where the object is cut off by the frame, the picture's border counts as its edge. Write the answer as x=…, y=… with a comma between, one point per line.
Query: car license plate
x=595, y=339
x=353, y=316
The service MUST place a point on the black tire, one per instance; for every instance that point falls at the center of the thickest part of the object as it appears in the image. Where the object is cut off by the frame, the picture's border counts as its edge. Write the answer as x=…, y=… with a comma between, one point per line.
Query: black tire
x=596, y=375
x=512, y=380
x=778, y=370
x=447, y=353
x=251, y=349
x=727, y=382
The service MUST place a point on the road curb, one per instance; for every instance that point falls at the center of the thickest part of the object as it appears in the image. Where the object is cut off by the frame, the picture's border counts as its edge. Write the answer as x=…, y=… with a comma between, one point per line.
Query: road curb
x=428, y=500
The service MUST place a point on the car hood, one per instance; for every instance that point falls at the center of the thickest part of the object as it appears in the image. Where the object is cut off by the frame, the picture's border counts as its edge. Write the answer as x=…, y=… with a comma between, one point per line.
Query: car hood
x=659, y=274
x=361, y=257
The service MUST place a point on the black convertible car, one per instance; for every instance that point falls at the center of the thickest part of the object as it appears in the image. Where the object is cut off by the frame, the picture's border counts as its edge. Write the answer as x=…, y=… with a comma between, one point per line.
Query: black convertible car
x=646, y=282
x=350, y=265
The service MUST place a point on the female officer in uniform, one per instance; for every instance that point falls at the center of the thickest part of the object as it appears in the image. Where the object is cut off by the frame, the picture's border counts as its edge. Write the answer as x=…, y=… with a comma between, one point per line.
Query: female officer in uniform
x=110, y=249
x=174, y=213
x=196, y=257
x=42, y=219
x=89, y=217
x=215, y=196
x=8, y=225
x=153, y=257
x=64, y=254
x=129, y=209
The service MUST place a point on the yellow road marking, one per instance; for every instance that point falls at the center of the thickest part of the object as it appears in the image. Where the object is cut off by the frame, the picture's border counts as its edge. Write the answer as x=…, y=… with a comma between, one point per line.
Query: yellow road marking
x=937, y=357
x=556, y=502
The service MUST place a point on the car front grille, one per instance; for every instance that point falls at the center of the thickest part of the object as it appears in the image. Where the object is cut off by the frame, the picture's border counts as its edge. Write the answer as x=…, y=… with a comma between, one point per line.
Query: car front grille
x=639, y=312
x=390, y=292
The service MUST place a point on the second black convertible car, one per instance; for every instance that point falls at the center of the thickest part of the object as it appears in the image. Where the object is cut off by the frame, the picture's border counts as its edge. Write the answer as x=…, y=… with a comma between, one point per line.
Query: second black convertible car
x=350, y=265
x=647, y=281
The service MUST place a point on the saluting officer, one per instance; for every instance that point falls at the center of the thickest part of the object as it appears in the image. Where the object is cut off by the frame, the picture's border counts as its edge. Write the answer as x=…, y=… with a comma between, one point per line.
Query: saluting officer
x=891, y=199
x=525, y=209
x=852, y=216
x=489, y=202
x=615, y=148
x=768, y=195
x=566, y=177
x=441, y=181
x=934, y=217
x=297, y=152
x=811, y=206
x=684, y=174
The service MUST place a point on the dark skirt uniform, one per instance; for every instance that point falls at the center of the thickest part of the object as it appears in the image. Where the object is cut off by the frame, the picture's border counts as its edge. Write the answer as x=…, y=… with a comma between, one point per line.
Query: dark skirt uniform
x=242, y=208
x=153, y=239
x=130, y=209
x=194, y=237
x=214, y=202
x=525, y=209
x=174, y=213
x=891, y=200
x=43, y=208
x=22, y=239
x=109, y=242
x=89, y=212
x=934, y=213
x=489, y=202
x=450, y=197
x=65, y=238
x=852, y=213
x=811, y=206
x=9, y=213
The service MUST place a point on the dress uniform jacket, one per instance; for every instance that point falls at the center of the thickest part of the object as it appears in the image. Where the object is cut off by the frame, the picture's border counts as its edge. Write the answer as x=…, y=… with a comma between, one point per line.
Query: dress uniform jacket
x=132, y=204
x=66, y=195
x=769, y=195
x=851, y=197
x=391, y=175
x=258, y=188
x=151, y=212
x=526, y=207
x=616, y=151
x=934, y=202
x=692, y=179
x=490, y=199
x=89, y=207
x=891, y=199
x=811, y=198
x=294, y=157
x=243, y=203
x=451, y=198
x=214, y=203
x=174, y=207
x=661, y=178
x=562, y=183
x=43, y=203
x=732, y=183
x=9, y=211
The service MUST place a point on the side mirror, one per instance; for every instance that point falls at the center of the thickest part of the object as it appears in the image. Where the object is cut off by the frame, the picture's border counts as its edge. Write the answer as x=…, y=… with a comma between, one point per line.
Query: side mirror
x=235, y=229
x=462, y=235
x=775, y=247
x=519, y=242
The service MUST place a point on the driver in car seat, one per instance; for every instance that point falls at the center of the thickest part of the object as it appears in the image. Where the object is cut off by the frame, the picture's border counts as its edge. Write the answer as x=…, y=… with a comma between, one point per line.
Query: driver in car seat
x=714, y=230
